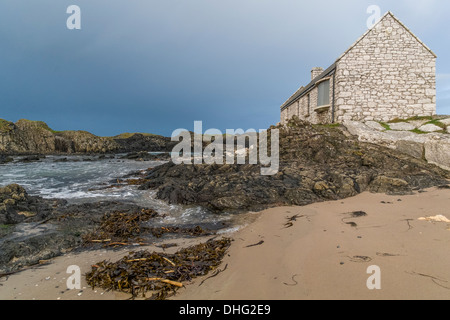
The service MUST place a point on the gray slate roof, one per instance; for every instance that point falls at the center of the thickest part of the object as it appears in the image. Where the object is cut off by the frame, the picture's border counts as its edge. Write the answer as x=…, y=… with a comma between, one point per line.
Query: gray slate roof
x=304, y=90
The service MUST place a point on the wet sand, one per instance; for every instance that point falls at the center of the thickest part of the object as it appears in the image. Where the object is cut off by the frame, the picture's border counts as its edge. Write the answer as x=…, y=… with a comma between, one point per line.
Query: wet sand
x=49, y=282
x=322, y=253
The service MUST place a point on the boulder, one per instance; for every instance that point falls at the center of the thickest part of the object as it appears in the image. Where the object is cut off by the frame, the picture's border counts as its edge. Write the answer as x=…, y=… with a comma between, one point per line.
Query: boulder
x=390, y=185
x=375, y=125
x=401, y=126
x=411, y=147
x=438, y=152
x=430, y=128
x=420, y=146
x=445, y=121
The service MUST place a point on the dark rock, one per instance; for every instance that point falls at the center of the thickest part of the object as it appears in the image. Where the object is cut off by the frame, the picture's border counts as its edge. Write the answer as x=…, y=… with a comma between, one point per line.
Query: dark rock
x=31, y=137
x=31, y=158
x=139, y=142
x=317, y=163
x=64, y=226
x=17, y=206
x=5, y=159
x=145, y=156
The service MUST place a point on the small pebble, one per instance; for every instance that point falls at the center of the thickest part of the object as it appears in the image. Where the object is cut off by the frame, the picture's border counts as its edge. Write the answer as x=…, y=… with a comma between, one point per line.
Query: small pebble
x=341, y=262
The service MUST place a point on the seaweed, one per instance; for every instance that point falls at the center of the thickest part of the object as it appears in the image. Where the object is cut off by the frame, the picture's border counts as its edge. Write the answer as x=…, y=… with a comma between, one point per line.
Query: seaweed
x=357, y=214
x=119, y=227
x=161, y=274
x=195, y=231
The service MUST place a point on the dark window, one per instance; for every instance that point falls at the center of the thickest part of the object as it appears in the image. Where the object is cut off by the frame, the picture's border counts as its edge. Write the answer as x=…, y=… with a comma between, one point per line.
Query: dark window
x=323, y=97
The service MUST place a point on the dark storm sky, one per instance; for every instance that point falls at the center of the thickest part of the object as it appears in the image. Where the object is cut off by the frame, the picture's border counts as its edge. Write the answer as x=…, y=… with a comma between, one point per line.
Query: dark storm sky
x=158, y=65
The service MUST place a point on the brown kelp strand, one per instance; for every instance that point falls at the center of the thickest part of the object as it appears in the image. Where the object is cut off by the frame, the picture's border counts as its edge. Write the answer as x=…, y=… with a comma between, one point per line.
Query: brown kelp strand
x=195, y=231
x=120, y=226
x=161, y=274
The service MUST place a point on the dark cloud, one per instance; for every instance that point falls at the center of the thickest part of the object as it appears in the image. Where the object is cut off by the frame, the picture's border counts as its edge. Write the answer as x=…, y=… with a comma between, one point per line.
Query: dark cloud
x=157, y=65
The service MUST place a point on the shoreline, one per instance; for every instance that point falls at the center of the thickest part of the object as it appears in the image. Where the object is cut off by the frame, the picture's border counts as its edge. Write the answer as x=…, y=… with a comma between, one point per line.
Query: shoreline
x=322, y=252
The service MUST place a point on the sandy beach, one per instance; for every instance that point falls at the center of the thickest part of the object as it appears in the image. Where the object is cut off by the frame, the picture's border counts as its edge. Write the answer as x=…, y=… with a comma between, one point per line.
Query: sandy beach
x=318, y=251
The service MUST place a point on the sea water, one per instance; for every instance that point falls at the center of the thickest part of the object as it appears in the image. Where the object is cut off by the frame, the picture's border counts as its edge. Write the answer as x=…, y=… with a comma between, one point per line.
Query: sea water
x=82, y=179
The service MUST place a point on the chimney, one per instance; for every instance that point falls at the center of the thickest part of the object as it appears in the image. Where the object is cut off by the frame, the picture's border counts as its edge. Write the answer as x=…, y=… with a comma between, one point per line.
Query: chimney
x=315, y=72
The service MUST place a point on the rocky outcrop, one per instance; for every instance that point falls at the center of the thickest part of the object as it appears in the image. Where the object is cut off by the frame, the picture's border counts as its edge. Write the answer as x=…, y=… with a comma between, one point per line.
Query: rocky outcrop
x=410, y=137
x=139, y=142
x=35, y=137
x=17, y=206
x=317, y=163
x=34, y=229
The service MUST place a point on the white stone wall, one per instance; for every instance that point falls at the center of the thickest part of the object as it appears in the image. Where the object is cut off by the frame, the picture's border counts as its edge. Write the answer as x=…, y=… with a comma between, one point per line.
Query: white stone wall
x=388, y=74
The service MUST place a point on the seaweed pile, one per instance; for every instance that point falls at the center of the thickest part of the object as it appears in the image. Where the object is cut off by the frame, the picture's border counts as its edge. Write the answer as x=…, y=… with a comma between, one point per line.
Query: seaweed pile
x=117, y=228
x=194, y=231
x=160, y=273
x=124, y=228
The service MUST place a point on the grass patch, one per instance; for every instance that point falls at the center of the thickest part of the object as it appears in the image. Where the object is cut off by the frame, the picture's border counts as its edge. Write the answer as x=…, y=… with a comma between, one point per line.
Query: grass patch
x=324, y=125
x=418, y=131
x=37, y=124
x=5, y=126
x=330, y=125
x=436, y=122
x=385, y=125
x=127, y=135
x=397, y=120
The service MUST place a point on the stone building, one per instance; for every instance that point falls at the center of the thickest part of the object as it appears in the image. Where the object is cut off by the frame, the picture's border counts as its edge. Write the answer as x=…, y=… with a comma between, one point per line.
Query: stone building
x=387, y=73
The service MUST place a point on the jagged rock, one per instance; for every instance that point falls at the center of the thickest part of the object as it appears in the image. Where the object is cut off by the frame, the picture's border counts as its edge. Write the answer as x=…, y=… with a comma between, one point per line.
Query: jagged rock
x=36, y=137
x=145, y=156
x=17, y=206
x=317, y=163
x=53, y=226
x=390, y=185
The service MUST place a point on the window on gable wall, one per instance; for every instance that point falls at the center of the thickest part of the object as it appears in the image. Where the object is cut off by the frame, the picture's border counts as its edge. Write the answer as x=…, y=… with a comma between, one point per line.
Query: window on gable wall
x=323, y=97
